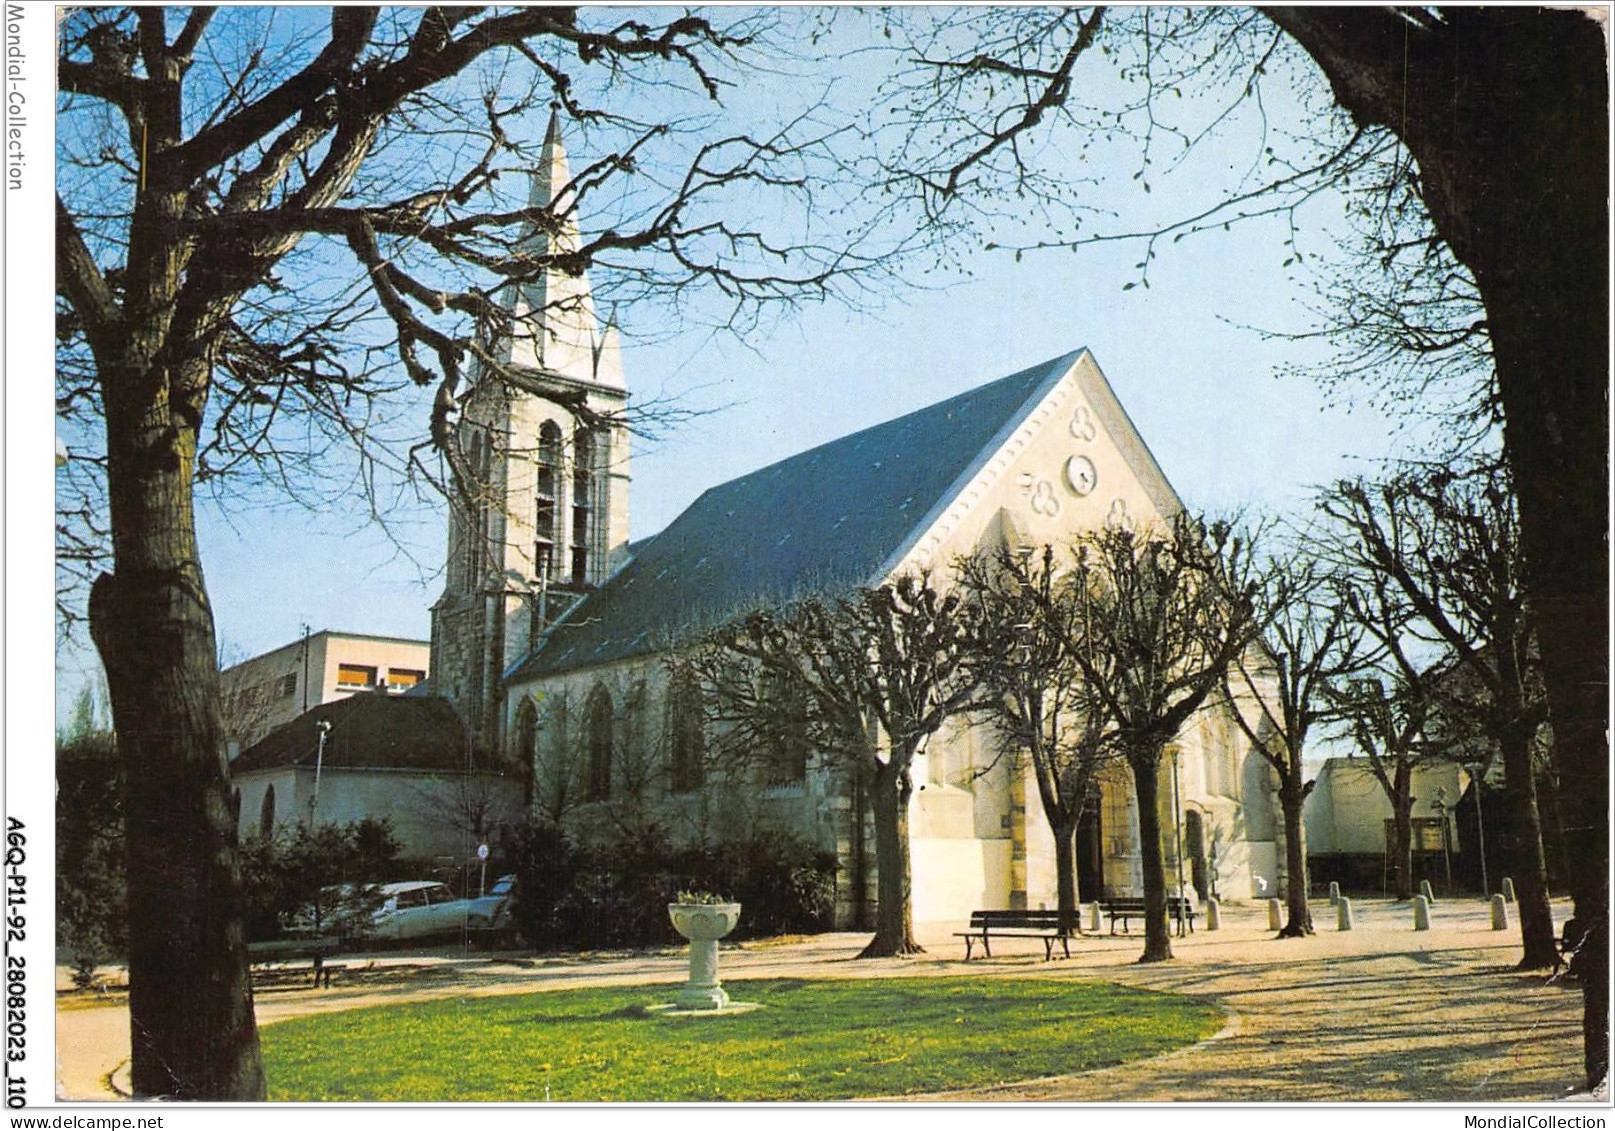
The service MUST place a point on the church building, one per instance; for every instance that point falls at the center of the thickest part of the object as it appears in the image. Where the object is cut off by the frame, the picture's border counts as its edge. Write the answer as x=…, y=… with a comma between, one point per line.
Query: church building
x=552, y=635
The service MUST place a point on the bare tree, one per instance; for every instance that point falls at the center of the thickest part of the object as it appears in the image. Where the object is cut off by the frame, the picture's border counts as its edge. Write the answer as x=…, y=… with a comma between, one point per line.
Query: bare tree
x=1386, y=715
x=1402, y=317
x=272, y=226
x=1162, y=615
x=874, y=675
x=1308, y=642
x=1499, y=116
x=1447, y=546
x=1036, y=695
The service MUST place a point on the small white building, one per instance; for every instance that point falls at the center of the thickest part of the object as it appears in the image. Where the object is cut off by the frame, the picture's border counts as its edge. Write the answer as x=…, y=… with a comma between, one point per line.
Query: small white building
x=1348, y=819
x=404, y=758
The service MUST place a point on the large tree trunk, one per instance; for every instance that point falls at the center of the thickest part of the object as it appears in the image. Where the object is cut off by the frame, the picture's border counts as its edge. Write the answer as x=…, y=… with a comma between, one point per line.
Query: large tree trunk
x=1402, y=845
x=894, y=913
x=1297, y=915
x=1505, y=110
x=1147, y=788
x=1065, y=870
x=1525, y=858
x=192, y=1029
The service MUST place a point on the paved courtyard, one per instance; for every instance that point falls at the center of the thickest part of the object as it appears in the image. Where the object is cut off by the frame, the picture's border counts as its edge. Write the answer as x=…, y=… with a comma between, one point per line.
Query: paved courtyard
x=1380, y=1013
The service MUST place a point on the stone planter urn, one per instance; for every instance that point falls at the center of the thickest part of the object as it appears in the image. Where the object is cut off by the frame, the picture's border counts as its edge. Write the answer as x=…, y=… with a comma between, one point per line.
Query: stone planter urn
x=703, y=924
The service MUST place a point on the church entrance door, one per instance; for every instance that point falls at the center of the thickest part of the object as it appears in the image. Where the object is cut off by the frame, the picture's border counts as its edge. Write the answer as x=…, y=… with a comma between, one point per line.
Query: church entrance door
x=1090, y=856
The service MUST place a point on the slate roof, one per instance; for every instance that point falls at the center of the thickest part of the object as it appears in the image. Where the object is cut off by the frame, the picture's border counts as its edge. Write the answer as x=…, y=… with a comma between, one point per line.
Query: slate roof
x=823, y=521
x=368, y=731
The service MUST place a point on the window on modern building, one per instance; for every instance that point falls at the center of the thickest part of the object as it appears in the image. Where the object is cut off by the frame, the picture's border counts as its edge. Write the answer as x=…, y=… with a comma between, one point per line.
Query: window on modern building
x=400, y=678
x=288, y=685
x=547, y=486
x=785, y=761
x=583, y=476
x=686, y=735
x=598, y=729
x=350, y=677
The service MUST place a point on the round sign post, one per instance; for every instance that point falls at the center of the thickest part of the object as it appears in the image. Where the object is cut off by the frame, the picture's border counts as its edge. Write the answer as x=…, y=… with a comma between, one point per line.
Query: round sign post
x=482, y=884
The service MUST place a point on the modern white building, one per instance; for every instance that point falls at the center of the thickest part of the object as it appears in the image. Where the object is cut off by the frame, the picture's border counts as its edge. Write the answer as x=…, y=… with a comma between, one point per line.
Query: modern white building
x=1348, y=818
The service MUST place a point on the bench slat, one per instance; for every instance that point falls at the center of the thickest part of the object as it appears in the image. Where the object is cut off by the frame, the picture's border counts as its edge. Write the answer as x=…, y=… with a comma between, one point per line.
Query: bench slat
x=1021, y=924
x=1131, y=907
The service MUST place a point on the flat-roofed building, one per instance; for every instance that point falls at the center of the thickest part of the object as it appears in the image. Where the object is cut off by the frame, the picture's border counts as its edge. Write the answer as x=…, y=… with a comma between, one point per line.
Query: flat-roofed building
x=276, y=687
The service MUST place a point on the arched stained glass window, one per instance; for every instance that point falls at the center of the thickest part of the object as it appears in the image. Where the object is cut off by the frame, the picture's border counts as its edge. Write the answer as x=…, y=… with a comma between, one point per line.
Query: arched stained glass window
x=686, y=737
x=527, y=749
x=598, y=728
x=266, y=813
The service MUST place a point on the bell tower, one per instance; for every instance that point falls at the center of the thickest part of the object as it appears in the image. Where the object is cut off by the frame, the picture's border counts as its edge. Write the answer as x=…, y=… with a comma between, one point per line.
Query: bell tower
x=544, y=517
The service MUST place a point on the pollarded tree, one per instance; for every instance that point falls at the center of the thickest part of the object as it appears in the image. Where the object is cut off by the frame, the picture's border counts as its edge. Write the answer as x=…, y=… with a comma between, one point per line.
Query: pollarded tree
x=873, y=675
x=1161, y=615
x=272, y=226
x=1036, y=694
x=1501, y=117
x=1386, y=715
x=1278, y=689
x=1444, y=546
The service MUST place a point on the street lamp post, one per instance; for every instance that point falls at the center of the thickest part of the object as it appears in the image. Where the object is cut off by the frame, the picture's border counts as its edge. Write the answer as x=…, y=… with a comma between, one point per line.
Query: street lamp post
x=1477, y=776
x=1439, y=804
x=1177, y=830
x=324, y=727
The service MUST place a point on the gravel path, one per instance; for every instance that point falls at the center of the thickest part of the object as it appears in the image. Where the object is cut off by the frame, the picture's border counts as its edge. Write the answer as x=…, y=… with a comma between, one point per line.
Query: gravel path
x=1380, y=1013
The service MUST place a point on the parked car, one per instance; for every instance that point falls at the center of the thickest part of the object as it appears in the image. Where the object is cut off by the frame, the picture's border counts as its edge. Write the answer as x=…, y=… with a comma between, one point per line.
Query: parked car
x=412, y=909
x=491, y=911
x=417, y=908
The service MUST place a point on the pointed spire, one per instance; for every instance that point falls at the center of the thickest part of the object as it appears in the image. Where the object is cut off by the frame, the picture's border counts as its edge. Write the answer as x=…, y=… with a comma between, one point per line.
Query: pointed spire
x=562, y=335
x=551, y=181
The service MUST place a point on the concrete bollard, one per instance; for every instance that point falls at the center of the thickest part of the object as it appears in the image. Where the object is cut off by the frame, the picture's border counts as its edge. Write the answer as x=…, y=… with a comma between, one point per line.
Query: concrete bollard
x=1213, y=914
x=1508, y=889
x=1275, y=915
x=1343, y=914
x=1499, y=913
x=1093, y=917
x=1421, y=913
x=1426, y=891
x=1334, y=893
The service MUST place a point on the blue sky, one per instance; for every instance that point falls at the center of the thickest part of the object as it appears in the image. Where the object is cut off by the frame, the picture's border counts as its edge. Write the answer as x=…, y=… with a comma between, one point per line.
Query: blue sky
x=1185, y=355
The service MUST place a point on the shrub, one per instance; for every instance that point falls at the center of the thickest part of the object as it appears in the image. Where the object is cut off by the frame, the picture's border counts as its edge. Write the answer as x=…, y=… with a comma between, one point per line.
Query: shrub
x=545, y=865
x=91, y=908
x=615, y=892
x=286, y=871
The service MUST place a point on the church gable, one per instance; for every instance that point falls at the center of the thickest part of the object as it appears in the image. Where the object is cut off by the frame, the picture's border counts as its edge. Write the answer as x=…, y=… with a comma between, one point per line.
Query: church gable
x=1072, y=462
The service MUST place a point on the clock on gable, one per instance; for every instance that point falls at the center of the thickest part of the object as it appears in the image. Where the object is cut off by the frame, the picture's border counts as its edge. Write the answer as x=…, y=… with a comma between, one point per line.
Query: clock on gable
x=1081, y=475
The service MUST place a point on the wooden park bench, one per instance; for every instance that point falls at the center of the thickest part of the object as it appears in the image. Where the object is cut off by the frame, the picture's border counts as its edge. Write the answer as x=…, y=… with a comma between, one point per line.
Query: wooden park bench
x=1568, y=942
x=268, y=955
x=1178, y=908
x=1042, y=925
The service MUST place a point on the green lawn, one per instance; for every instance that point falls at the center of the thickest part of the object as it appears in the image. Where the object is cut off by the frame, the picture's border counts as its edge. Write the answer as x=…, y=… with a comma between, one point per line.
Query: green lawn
x=816, y=1040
